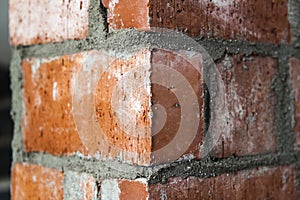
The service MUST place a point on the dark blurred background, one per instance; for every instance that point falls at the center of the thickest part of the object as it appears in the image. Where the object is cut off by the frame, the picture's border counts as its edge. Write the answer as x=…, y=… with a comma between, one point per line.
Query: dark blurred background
x=5, y=104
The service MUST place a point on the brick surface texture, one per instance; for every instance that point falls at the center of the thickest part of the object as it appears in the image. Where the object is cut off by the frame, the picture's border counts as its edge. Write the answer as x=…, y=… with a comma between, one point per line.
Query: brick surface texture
x=42, y=21
x=48, y=124
x=32, y=181
x=54, y=85
x=262, y=183
x=35, y=182
x=263, y=21
x=106, y=108
x=250, y=104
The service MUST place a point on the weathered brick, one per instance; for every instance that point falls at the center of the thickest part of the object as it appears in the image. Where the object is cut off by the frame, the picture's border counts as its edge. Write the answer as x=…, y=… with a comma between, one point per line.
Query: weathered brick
x=133, y=189
x=261, y=183
x=48, y=124
x=294, y=68
x=177, y=100
x=80, y=186
x=128, y=13
x=66, y=99
x=250, y=104
x=36, y=182
x=100, y=105
x=124, y=189
x=261, y=21
x=43, y=21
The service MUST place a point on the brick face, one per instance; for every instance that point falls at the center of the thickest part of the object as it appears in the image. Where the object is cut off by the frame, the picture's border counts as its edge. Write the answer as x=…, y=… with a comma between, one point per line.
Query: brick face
x=262, y=21
x=48, y=124
x=261, y=183
x=120, y=15
x=177, y=86
x=123, y=189
x=294, y=68
x=59, y=93
x=122, y=105
x=35, y=182
x=133, y=190
x=58, y=98
x=250, y=104
x=42, y=21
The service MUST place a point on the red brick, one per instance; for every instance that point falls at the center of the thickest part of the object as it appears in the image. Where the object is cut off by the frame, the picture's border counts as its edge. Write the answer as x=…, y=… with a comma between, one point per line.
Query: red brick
x=80, y=186
x=63, y=116
x=36, y=182
x=250, y=104
x=122, y=105
x=261, y=21
x=133, y=190
x=124, y=189
x=43, y=21
x=182, y=133
x=127, y=13
x=48, y=124
x=99, y=105
x=261, y=183
x=294, y=67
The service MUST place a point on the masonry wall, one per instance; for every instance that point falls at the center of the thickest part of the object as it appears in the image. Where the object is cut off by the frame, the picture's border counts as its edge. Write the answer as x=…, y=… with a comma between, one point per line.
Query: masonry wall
x=90, y=78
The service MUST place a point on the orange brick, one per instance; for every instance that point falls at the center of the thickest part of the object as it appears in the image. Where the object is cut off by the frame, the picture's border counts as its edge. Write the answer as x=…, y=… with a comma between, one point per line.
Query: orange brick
x=124, y=189
x=261, y=183
x=294, y=67
x=133, y=190
x=128, y=13
x=100, y=105
x=42, y=21
x=36, y=182
x=48, y=124
x=262, y=21
x=250, y=103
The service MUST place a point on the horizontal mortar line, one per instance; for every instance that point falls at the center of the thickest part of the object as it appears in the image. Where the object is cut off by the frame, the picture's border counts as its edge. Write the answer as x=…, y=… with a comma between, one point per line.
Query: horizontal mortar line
x=55, y=49
x=75, y=46
x=206, y=169
x=99, y=168
x=158, y=173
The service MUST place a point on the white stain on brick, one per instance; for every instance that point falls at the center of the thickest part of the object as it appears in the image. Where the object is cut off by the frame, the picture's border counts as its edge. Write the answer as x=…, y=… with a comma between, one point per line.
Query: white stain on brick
x=222, y=3
x=132, y=94
x=111, y=9
x=34, y=178
x=47, y=21
x=35, y=66
x=54, y=91
x=110, y=190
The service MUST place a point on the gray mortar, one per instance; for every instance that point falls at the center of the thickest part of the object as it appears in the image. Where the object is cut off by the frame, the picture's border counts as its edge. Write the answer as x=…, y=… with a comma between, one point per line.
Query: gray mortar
x=283, y=107
x=129, y=40
x=210, y=167
x=16, y=112
x=298, y=173
x=294, y=17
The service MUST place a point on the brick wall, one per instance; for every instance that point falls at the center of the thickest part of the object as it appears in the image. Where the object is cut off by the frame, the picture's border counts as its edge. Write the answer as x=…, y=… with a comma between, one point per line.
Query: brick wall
x=109, y=104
